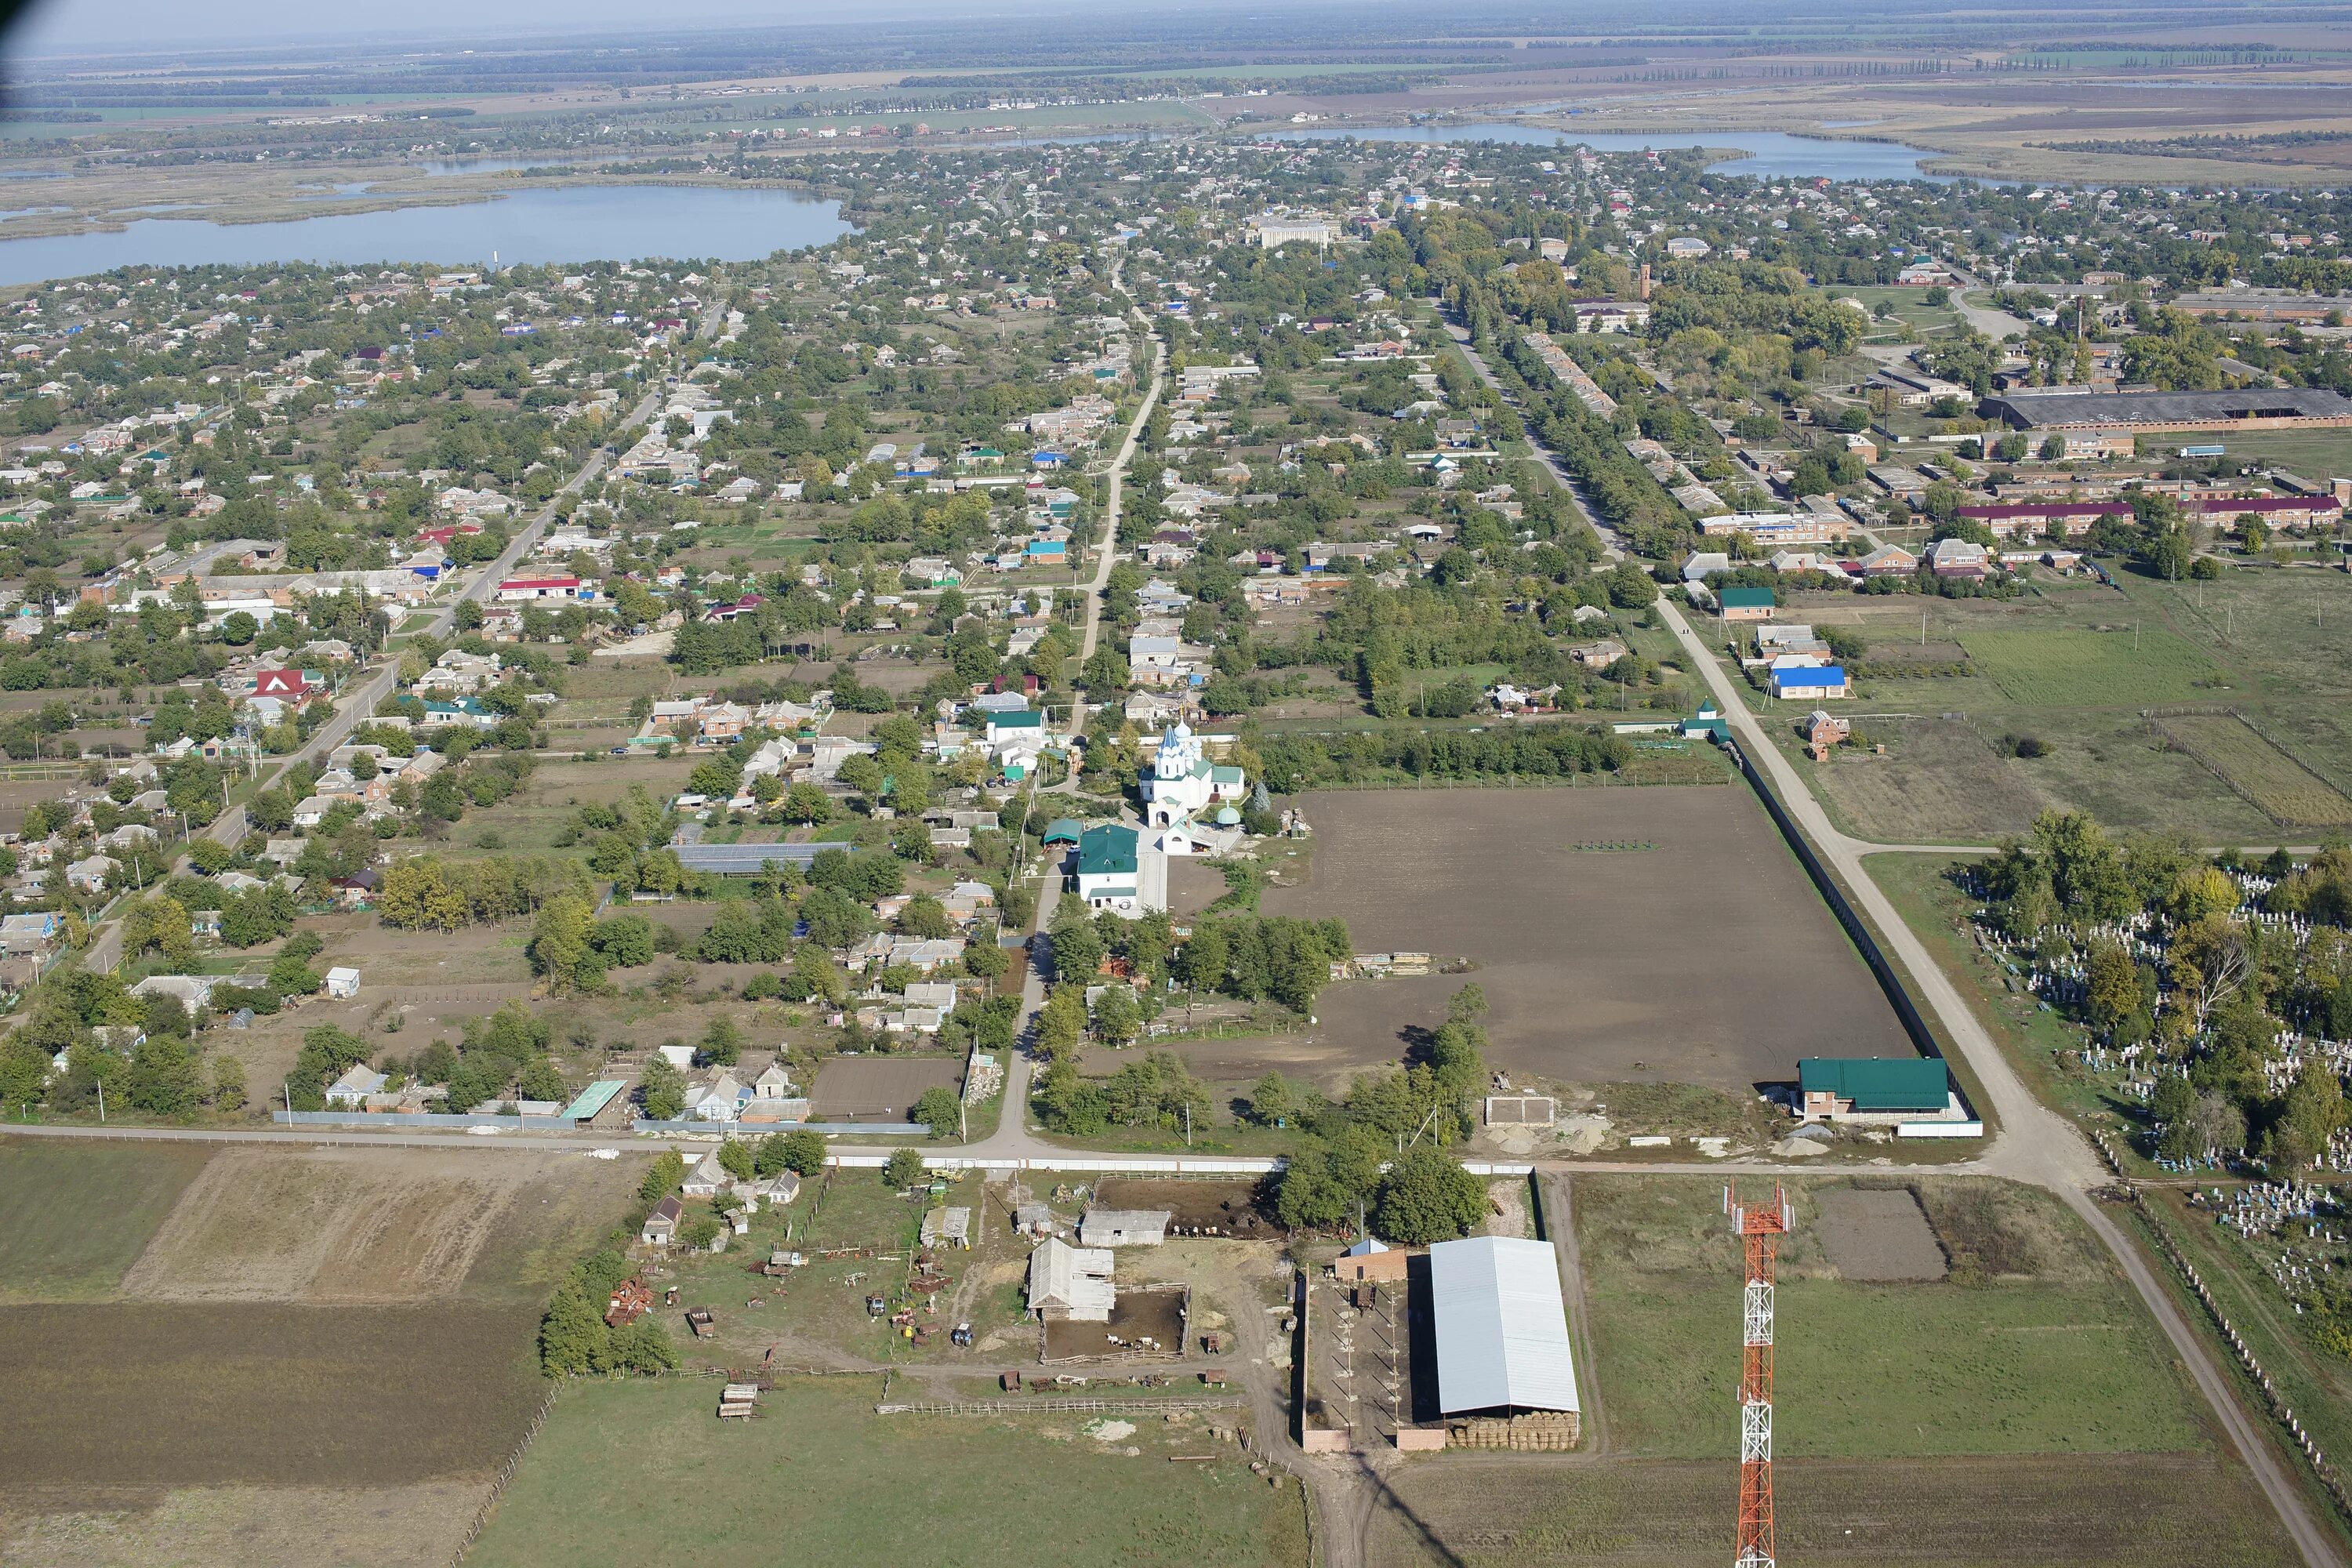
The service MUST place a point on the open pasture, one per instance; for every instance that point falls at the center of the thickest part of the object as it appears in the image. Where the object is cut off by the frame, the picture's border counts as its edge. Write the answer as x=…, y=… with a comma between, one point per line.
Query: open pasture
x=820, y=1478
x=1709, y=959
x=2077, y=667
x=2031, y=1344
x=2077, y=1511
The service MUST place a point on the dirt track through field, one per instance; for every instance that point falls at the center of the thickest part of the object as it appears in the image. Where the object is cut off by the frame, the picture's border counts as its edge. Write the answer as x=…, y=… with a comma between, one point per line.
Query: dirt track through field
x=1705, y=957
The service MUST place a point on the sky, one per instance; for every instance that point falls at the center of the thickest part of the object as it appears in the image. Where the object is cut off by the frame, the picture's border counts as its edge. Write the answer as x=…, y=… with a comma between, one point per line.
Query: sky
x=75, y=26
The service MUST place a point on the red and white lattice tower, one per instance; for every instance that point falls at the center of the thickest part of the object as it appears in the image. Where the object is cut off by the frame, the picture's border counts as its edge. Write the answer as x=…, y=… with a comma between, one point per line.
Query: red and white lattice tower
x=1761, y=1229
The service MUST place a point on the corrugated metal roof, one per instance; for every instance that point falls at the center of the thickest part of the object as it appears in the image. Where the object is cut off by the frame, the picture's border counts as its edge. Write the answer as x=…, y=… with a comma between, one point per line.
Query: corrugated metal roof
x=1502, y=1328
x=746, y=859
x=1878, y=1083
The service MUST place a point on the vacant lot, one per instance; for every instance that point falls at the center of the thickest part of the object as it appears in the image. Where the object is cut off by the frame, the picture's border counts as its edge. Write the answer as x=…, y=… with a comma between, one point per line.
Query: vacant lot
x=1878, y=1235
x=2281, y=788
x=1705, y=959
x=2079, y=668
x=75, y=1214
x=374, y=1226
x=2032, y=1345
x=1939, y=780
x=822, y=1480
x=2143, y=1511
x=879, y=1089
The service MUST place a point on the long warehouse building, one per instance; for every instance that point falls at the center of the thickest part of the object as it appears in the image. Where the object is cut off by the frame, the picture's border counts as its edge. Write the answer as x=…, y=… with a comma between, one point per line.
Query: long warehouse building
x=2255, y=408
x=1501, y=1329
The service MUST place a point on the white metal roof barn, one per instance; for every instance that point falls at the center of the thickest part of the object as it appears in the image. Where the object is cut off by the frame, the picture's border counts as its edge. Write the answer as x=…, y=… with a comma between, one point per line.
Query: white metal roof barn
x=1502, y=1328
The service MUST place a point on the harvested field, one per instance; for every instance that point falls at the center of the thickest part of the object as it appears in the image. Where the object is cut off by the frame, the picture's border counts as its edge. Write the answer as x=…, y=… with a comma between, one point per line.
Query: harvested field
x=2076, y=1510
x=73, y=1215
x=415, y=1526
x=177, y=1393
x=1228, y=1207
x=365, y=1226
x=1709, y=959
x=1878, y=1233
x=2281, y=788
x=1141, y=1313
x=879, y=1089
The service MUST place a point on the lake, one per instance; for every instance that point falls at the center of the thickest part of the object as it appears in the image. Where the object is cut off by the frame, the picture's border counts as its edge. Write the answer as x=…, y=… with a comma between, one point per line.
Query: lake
x=1771, y=154
x=576, y=223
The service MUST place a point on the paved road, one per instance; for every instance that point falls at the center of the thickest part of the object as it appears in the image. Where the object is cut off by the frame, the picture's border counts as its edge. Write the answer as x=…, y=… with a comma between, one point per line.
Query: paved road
x=2035, y=1143
x=1013, y=1139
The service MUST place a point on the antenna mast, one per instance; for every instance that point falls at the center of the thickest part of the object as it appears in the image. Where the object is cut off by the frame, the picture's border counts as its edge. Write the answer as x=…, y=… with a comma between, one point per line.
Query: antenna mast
x=1761, y=1229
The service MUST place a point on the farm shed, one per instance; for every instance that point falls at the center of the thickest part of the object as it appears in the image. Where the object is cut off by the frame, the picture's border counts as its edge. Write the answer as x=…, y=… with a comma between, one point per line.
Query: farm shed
x=1123, y=1227
x=1501, y=1328
x=1832, y=1087
x=342, y=982
x=1369, y=1258
x=1071, y=1282
x=661, y=1225
x=947, y=1227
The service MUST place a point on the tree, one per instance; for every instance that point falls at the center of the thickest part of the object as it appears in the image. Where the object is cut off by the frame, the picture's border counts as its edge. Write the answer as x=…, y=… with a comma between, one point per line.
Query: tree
x=2113, y=990
x=1427, y=1196
x=664, y=1090
x=1078, y=949
x=1117, y=1020
x=903, y=1169
x=665, y=1176
x=573, y=1338
x=2311, y=1114
x=800, y=1151
x=562, y=945
x=722, y=1042
x=642, y=1347
x=697, y=1234
x=941, y=1110
x=1273, y=1100
x=738, y=1160
x=164, y=1080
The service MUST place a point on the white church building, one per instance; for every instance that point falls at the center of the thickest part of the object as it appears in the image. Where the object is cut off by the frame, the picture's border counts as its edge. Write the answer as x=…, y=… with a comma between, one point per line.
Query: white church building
x=1182, y=782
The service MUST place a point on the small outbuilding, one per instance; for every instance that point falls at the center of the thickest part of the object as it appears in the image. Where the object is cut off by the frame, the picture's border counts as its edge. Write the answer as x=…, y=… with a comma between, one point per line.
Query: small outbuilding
x=342, y=982
x=1071, y=1282
x=1123, y=1227
x=1370, y=1260
x=661, y=1225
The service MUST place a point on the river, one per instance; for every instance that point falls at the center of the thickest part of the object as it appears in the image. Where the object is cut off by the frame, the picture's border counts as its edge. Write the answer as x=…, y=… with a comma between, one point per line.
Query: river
x=1771, y=154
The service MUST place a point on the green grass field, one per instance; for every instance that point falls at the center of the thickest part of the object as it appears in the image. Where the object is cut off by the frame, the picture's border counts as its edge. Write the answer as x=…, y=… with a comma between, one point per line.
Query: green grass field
x=2052, y=1356
x=644, y=1472
x=2077, y=1511
x=2076, y=668
x=73, y=1215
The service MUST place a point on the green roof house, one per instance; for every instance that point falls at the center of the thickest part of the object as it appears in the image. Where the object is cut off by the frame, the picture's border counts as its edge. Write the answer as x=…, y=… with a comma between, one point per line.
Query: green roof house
x=1745, y=604
x=1108, y=868
x=1835, y=1087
